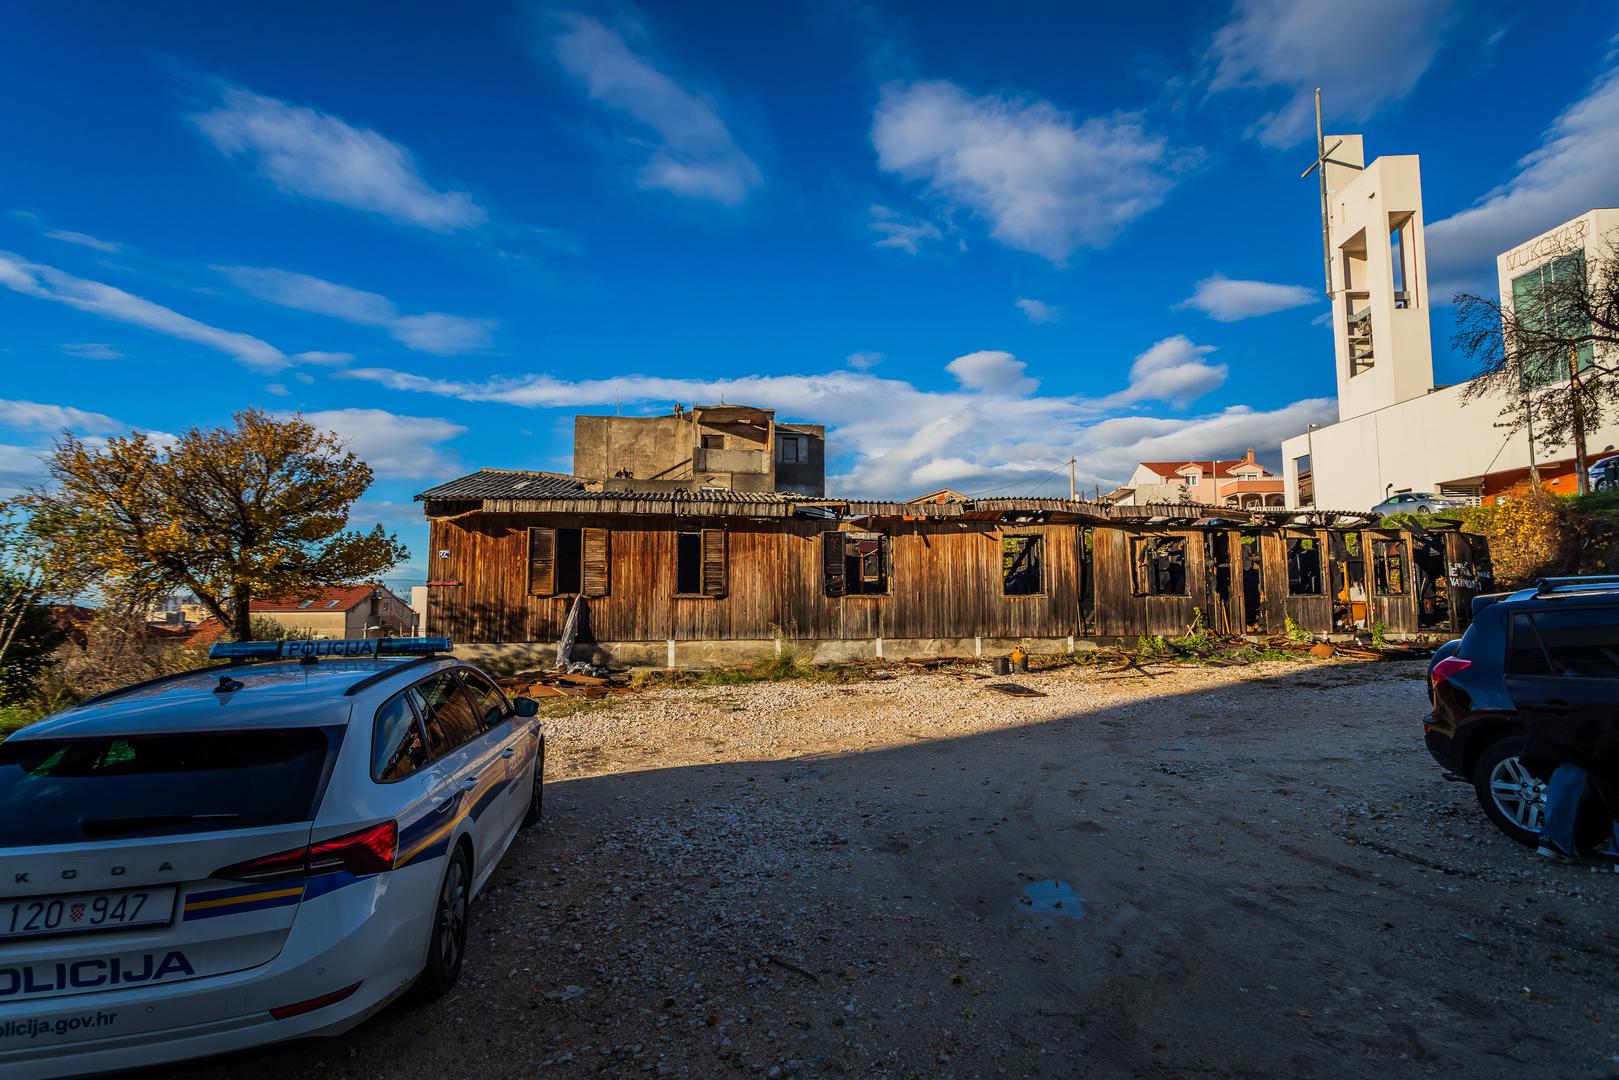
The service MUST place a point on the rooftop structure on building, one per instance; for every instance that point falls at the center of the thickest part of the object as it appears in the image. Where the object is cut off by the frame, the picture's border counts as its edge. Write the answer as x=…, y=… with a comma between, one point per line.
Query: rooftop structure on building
x=732, y=447
x=1397, y=431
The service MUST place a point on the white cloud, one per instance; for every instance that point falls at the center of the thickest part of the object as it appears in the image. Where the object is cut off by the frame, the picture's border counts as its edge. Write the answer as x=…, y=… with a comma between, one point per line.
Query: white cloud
x=306, y=152
x=1230, y=299
x=91, y=350
x=1172, y=370
x=1038, y=311
x=991, y=429
x=278, y=389
x=1364, y=55
x=24, y=466
x=48, y=283
x=692, y=153
x=39, y=416
x=990, y=371
x=895, y=230
x=83, y=240
x=864, y=361
x=1571, y=171
x=432, y=332
x=1045, y=181
x=396, y=447
x=21, y=467
x=322, y=359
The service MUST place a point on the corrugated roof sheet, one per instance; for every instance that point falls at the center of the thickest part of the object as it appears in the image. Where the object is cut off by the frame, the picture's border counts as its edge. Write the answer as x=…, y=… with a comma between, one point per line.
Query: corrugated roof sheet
x=508, y=484
x=522, y=485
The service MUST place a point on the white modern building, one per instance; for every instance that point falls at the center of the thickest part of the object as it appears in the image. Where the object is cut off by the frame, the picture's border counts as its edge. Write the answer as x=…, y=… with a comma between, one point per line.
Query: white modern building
x=1396, y=430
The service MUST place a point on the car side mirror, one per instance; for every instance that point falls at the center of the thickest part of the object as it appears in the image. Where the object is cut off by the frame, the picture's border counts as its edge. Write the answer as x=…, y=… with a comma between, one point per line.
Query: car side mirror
x=526, y=706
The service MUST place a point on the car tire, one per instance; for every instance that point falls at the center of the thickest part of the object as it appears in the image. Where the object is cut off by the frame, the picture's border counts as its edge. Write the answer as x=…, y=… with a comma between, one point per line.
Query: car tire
x=1424, y=509
x=1514, y=801
x=536, y=801
x=447, y=947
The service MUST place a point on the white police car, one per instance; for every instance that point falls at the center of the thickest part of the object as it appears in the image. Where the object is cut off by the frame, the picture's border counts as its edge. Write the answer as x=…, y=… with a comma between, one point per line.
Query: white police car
x=245, y=854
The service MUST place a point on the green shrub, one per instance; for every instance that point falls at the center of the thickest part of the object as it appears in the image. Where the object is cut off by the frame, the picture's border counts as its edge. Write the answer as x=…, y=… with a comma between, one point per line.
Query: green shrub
x=13, y=717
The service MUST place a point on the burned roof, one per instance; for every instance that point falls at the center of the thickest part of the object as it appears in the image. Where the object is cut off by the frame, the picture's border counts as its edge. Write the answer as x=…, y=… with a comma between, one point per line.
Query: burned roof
x=507, y=484
x=507, y=491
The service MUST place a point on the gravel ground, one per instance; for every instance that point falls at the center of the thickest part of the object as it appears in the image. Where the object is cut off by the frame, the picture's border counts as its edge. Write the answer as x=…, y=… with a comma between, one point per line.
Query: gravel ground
x=1269, y=878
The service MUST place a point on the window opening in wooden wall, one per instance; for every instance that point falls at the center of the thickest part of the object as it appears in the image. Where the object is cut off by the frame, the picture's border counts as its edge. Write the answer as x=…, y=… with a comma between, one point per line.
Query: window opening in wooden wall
x=713, y=442
x=1158, y=565
x=1022, y=564
x=1388, y=565
x=854, y=563
x=700, y=563
x=1303, y=566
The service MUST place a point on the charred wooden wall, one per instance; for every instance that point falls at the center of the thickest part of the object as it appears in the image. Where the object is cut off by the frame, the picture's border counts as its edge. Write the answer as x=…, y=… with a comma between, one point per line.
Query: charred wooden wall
x=944, y=582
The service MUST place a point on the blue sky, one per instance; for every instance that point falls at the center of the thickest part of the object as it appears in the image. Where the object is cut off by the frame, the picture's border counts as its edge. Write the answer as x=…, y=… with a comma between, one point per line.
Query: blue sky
x=970, y=245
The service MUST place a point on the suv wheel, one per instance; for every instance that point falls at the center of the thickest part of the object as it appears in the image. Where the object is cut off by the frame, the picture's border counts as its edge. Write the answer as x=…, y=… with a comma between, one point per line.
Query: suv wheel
x=1514, y=800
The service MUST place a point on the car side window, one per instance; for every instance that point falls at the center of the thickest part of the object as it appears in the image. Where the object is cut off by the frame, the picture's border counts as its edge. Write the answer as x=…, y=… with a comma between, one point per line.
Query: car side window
x=1525, y=654
x=490, y=703
x=1581, y=642
x=446, y=708
x=398, y=744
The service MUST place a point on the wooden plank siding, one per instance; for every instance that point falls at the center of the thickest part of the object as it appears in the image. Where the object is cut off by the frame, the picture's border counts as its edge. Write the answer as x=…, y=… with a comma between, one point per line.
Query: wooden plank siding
x=944, y=581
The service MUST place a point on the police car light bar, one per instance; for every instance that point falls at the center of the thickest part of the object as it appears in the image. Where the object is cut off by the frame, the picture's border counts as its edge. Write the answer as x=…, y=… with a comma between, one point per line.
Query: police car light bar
x=294, y=650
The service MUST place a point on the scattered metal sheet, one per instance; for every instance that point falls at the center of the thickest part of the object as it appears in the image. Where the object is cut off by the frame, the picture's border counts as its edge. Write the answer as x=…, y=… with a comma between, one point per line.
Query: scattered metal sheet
x=1013, y=689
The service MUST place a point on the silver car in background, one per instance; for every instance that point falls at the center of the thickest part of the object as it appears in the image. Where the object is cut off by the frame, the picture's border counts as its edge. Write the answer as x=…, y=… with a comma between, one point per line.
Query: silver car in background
x=1415, y=502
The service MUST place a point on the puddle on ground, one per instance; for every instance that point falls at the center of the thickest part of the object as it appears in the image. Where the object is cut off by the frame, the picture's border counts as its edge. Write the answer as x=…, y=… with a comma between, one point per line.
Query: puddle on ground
x=1052, y=897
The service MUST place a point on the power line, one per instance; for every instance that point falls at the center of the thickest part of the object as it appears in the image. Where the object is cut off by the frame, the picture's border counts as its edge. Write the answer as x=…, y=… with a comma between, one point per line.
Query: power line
x=1020, y=482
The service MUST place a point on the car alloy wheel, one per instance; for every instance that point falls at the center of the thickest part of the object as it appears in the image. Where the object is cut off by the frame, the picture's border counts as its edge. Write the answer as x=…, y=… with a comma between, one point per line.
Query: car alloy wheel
x=452, y=920
x=1519, y=796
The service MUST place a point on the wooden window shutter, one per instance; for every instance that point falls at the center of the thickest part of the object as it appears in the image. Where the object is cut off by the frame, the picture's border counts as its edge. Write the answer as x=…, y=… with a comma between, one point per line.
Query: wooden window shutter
x=714, y=568
x=542, y=562
x=596, y=562
x=832, y=574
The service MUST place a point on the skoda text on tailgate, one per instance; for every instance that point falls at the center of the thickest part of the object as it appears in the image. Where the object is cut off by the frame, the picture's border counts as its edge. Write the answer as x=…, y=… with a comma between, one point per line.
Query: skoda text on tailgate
x=250, y=853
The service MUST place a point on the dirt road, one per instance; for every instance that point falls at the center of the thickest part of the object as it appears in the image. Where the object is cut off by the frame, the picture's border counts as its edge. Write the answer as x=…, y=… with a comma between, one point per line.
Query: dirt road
x=1269, y=879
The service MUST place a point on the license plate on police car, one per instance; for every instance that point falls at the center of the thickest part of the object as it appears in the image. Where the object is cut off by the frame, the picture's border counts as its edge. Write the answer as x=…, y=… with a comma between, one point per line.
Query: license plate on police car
x=35, y=916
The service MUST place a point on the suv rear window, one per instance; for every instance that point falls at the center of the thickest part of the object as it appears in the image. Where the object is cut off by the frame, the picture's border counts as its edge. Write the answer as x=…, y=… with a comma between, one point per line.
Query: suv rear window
x=1582, y=642
x=67, y=791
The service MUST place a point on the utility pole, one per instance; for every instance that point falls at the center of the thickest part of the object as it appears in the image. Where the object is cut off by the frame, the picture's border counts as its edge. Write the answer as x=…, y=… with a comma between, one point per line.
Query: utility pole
x=1073, y=491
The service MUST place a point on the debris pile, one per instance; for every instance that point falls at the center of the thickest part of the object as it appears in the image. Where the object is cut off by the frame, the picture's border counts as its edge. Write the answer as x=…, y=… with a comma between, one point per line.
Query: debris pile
x=580, y=681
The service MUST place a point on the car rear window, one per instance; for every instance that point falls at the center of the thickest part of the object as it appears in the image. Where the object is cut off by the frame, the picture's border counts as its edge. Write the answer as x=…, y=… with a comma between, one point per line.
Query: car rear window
x=66, y=791
x=1582, y=642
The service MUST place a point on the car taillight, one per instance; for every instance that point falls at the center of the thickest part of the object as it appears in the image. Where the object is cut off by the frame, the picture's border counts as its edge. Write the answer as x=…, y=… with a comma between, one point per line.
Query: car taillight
x=1449, y=666
x=369, y=851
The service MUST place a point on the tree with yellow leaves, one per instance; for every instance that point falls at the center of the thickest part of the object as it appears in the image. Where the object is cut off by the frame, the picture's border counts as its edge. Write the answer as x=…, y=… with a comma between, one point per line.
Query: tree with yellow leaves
x=228, y=514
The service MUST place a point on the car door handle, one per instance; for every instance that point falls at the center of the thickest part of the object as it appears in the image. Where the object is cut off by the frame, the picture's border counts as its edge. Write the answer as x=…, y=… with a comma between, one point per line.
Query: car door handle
x=508, y=752
x=470, y=782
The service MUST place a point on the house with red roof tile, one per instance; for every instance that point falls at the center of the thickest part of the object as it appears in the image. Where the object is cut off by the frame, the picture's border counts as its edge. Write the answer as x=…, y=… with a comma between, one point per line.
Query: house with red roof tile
x=1241, y=483
x=337, y=611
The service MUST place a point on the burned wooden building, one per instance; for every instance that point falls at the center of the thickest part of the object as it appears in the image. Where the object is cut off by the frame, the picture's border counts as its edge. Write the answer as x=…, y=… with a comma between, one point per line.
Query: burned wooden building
x=706, y=575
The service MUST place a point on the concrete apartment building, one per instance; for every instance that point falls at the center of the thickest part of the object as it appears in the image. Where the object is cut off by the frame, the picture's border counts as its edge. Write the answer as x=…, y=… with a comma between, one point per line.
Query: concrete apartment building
x=1242, y=483
x=1396, y=430
x=728, y=447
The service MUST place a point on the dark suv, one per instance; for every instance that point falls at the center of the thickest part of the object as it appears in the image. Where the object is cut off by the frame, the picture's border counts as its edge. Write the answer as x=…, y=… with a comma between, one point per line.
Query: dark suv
x=1547, y=649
